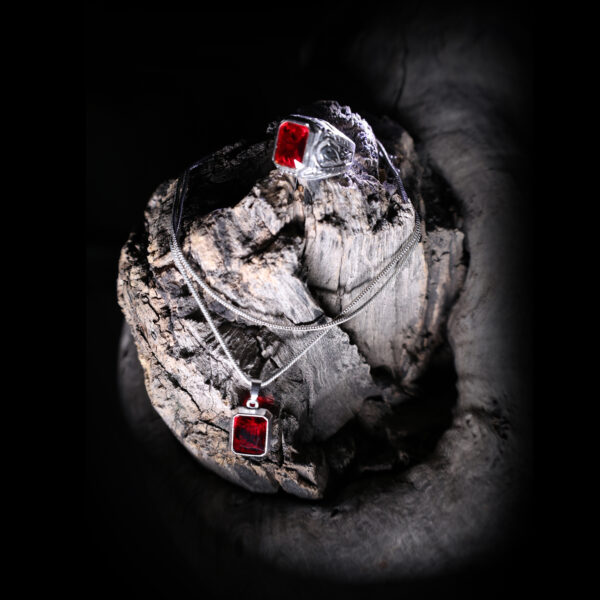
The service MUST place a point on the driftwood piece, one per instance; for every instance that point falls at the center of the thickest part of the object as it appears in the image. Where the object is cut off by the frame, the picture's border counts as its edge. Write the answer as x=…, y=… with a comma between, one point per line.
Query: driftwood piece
x=288, y=255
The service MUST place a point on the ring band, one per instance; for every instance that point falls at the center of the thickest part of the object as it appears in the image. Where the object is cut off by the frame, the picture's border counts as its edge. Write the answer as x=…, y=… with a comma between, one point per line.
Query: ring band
x=311, y=148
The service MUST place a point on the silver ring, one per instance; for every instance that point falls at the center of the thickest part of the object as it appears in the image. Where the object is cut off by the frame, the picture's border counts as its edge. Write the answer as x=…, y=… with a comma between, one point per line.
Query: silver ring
x=311, y=148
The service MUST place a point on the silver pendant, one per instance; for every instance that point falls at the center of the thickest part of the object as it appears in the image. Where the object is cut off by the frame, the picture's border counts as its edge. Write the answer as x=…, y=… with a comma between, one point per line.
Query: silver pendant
x=251, y=427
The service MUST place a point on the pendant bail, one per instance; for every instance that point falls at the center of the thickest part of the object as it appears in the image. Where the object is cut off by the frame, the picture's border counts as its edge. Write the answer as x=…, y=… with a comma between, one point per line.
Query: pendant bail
x=254, y=392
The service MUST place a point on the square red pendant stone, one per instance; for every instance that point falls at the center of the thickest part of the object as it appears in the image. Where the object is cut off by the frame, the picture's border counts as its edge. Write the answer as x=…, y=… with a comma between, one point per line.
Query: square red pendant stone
x=291, y=143
x=250, y=434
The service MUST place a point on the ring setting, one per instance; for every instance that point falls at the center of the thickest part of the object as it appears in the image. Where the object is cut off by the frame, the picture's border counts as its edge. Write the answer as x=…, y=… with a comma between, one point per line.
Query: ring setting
x=311, y=148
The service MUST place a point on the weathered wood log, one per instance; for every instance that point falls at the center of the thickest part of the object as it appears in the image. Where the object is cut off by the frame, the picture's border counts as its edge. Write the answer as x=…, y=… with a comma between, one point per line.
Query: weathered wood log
x=288, y=255
x=453, y=81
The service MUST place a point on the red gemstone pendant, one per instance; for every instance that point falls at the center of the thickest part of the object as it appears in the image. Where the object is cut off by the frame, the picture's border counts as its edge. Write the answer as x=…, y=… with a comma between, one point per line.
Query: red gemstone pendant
x=290, y=144
x=250, y=435
x=251, y=431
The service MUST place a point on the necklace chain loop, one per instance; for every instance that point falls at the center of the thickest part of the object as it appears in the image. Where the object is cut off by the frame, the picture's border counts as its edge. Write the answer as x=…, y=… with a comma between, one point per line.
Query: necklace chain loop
x=394, y=266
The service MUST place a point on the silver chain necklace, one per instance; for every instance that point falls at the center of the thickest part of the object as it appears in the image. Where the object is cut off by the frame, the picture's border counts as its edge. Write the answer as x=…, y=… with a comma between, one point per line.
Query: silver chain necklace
x=251, y=420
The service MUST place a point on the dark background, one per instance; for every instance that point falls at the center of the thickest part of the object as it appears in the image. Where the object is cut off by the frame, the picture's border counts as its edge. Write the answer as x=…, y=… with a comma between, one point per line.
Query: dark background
x=163, y=88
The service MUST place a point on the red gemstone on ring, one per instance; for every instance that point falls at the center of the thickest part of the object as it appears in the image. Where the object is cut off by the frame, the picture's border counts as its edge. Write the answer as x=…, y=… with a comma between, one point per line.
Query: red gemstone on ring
x=291, y=143
x=250, y=434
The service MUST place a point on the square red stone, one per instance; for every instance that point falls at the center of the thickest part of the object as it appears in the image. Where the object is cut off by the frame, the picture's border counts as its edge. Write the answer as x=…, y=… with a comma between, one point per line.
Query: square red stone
x=249, y=434
x=291, y=144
